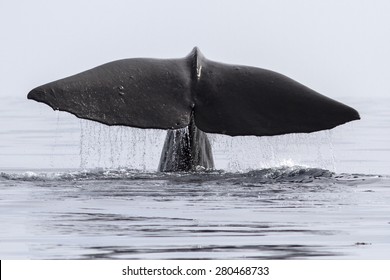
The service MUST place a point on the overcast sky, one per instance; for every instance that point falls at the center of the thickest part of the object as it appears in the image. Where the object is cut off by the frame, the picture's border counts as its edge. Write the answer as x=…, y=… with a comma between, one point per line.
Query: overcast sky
x=339, y=48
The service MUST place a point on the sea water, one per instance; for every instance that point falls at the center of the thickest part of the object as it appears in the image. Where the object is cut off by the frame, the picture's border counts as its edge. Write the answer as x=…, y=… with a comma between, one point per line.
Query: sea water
x=74, y=189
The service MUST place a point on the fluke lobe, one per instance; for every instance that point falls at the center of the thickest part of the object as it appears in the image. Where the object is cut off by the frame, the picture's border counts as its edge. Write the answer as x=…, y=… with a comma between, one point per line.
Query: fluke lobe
x=190, y=96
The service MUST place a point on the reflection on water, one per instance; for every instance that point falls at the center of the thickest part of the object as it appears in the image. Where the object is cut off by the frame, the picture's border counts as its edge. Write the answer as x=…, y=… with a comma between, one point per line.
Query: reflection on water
x=279, y=213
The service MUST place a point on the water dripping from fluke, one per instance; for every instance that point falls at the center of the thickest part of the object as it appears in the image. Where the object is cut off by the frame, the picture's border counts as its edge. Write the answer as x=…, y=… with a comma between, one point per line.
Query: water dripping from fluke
x=117, y=147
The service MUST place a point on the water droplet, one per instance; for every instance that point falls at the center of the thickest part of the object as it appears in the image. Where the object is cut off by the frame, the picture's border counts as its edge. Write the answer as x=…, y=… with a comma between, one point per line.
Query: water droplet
x=120, y=89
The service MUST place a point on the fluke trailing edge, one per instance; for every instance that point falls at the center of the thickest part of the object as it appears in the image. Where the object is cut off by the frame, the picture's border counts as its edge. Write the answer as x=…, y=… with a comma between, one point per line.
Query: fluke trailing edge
x=195, y=95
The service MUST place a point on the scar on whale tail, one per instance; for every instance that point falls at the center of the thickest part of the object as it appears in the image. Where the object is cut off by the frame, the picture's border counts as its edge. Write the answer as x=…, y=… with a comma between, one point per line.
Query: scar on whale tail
x=190, y=97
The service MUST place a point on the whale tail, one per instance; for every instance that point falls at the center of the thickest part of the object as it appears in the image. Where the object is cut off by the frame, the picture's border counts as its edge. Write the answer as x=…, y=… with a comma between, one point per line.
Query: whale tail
x=197, y=93
x=165, y=93
x=186, y=149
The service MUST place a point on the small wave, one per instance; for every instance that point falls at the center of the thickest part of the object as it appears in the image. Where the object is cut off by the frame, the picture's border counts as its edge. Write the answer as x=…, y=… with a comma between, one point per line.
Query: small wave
x=286, y=174
x=78, y=175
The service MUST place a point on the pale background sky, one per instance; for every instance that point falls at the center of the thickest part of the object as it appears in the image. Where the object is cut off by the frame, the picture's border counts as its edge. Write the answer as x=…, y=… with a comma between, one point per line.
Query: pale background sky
x=339, y=48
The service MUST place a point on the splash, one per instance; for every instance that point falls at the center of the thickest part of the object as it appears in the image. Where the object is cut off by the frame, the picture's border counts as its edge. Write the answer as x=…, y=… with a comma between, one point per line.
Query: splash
x=245, y=153
x=116, y=147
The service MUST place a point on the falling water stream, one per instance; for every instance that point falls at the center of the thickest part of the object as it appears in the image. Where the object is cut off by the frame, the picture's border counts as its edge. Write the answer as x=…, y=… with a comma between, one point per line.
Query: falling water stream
x=113, y=147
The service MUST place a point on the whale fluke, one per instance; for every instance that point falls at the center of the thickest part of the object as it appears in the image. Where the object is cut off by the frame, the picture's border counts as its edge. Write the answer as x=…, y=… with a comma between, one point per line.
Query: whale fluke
x=211, y=96
x=163, y=93
x=144, y=93
x=242, y=100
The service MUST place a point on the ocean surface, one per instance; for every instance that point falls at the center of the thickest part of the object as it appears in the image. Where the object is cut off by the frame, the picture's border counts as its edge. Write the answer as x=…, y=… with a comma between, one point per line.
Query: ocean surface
x=75, y=189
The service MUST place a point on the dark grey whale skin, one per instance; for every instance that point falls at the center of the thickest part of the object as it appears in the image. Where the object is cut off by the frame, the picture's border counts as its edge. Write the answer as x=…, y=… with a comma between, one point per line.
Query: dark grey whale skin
x=186, y=149
x=197, y=93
